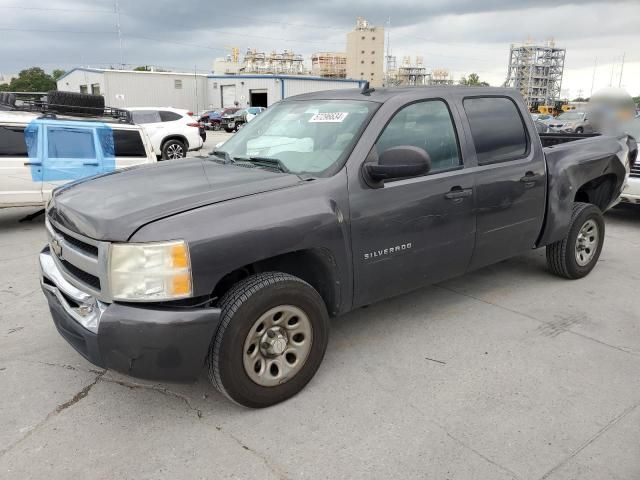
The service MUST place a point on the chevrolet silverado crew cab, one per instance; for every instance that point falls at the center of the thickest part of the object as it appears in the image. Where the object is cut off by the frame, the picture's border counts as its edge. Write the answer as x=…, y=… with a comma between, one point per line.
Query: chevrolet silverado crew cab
x=324, y=203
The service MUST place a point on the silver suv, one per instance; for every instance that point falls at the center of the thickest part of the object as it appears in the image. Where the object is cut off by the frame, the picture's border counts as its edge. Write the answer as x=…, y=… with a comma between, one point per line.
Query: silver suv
x=571, y=122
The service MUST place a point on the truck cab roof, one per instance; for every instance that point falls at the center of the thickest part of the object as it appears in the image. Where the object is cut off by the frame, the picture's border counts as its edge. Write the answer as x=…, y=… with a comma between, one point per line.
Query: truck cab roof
x=381, y=95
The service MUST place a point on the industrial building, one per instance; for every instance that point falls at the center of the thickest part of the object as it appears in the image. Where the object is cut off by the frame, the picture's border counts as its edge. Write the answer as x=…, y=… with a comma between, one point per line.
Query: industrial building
x=195, y=92
x=365, y=53
x=258, y=62
x=329, y=64
x=408, y=73
x=536, y=71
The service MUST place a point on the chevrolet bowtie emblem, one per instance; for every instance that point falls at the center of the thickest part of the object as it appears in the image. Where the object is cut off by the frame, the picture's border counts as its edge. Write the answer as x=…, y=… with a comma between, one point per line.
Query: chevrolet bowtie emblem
x=56, y=247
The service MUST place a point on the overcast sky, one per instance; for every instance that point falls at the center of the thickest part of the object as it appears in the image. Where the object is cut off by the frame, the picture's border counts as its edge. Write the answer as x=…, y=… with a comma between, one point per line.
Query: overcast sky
x=463, y=36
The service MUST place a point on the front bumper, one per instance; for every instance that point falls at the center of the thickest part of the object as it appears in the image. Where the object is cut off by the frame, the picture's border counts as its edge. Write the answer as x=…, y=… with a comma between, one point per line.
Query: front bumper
x=143, y=341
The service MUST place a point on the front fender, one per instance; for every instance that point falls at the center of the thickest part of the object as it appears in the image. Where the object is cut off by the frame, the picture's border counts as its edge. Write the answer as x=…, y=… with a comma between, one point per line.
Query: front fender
x=230, y=235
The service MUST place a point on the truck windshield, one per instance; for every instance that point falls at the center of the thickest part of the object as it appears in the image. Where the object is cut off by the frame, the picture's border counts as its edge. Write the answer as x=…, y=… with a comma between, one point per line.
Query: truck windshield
x=312, y=137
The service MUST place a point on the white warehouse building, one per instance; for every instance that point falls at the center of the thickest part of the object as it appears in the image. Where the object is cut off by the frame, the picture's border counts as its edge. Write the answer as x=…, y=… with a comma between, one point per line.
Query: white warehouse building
x=193, y=91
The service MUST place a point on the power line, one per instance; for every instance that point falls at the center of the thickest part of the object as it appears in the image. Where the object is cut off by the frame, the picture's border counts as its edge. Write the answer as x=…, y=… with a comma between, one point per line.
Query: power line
x=58, y=9
x=15, y=29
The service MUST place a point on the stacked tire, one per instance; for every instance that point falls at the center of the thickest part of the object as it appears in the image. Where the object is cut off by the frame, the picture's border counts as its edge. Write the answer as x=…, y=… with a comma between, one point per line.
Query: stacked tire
x=75, y=103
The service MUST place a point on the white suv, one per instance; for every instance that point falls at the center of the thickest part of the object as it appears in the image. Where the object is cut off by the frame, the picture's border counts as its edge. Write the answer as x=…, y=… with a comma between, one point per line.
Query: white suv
x=173, y=132
x=39, y=153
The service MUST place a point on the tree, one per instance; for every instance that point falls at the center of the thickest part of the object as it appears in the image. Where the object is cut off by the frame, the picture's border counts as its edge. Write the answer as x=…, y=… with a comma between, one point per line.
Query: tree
x=473, y=81
x=33, y=79
x=57, y=74
x=142, y=68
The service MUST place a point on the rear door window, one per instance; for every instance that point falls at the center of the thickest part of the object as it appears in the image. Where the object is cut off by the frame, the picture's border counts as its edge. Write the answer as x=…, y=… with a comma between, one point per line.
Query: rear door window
x=128, y=143
x=70, y=143
x=146, y=116
x=12, y=142
x=167, y=116
x=124, y=143
x=497, y=129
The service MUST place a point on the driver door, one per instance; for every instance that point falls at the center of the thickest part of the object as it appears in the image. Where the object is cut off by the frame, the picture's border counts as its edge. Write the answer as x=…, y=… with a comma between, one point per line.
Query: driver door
x=414, y=231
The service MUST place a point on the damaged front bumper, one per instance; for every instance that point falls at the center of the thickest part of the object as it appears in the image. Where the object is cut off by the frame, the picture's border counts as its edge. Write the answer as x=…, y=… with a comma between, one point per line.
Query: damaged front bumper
x=151, y=342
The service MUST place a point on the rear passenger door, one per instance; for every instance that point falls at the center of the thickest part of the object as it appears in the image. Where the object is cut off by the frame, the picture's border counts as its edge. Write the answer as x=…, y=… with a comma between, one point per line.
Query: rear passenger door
x=20, y=182
x=510, y=191
x=127, y=146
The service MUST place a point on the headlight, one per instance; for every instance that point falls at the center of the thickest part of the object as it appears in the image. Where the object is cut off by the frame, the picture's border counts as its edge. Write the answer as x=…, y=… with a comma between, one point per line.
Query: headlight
x=150, y=271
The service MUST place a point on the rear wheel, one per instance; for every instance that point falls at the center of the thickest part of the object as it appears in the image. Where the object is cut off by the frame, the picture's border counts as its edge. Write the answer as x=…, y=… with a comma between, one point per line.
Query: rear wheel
x=271, y=340
x=579, y=130
x=173, y=149
x=577, y=254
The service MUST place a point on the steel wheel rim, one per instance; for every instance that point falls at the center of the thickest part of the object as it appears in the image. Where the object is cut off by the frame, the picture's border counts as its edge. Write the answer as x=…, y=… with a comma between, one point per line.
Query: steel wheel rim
x=587, y=242
x=271, y=360
x=174, y=151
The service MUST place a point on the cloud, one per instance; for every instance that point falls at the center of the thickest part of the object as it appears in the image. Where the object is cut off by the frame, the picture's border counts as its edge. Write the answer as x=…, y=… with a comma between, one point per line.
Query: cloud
x=462, y=35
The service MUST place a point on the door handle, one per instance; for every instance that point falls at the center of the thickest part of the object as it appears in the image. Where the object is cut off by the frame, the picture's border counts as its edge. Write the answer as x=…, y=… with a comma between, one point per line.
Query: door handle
x=29, y=164
x=457, y=193
x=530, y=178
x=95, y=164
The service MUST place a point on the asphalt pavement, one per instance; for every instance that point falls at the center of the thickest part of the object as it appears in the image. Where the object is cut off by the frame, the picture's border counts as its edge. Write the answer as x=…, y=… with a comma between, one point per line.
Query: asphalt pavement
x=506, y=373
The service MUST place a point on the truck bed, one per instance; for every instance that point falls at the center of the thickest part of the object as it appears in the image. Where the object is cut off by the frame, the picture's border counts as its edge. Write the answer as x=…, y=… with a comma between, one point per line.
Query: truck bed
x=551, y=139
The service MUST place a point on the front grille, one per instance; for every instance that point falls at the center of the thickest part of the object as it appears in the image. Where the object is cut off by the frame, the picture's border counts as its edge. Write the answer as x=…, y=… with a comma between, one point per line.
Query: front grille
x=81, y=260
x=79, y=244
x=635, y=170
x=81, y=275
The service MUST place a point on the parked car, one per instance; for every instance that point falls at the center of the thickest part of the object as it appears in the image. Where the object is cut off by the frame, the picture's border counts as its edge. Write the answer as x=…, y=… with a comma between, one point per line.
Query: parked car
x=571, y=122
x=38, y=154
x=213, y=118
x=234, y=122
x=173, y=131
x=325, y=203
x=631, y=192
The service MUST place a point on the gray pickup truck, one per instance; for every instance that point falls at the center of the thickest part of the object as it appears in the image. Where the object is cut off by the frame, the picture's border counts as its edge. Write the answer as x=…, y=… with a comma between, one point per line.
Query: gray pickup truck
x=325, y=203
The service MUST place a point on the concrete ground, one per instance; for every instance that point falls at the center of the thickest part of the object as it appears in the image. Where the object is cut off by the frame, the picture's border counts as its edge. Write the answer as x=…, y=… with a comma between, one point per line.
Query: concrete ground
x=506, y=373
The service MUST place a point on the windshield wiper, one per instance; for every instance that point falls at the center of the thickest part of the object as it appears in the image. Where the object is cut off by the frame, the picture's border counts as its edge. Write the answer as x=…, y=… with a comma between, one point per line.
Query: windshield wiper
x=266, y=162
x=223, y=155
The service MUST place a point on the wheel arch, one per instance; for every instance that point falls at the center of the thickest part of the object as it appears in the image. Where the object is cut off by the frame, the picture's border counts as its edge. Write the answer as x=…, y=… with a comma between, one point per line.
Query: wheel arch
x=176, y=136
x=598, y=191
x=316, y=266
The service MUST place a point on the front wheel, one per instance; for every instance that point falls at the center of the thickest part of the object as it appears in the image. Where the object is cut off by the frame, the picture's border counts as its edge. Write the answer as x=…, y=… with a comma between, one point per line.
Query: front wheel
x=579, y=130
x=575, y=256
x=271, y=340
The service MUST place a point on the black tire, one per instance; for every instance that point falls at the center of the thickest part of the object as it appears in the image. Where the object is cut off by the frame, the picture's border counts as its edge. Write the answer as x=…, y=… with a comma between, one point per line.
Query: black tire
x=241, y=307
x=579, y=130
x=172, y=148
x=228, y=130
x=561, y=255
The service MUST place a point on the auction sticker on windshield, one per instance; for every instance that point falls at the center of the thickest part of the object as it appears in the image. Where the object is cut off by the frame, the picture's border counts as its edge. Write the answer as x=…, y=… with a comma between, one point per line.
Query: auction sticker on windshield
x=332, y=117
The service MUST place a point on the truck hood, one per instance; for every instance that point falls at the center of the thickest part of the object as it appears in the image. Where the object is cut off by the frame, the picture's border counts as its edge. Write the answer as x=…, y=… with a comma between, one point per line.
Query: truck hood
x=113, y=206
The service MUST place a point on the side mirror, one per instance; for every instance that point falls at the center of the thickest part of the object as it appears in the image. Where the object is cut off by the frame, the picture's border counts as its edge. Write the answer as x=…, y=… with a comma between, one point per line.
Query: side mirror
x=399, y=162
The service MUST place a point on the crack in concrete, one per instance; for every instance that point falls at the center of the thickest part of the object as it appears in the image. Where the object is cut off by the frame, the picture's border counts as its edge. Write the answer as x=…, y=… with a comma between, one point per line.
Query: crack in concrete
x=530, y=317
x=590, y=440
x=156, y=388
x=65, y=366
x=63, y=406
x=272, y=468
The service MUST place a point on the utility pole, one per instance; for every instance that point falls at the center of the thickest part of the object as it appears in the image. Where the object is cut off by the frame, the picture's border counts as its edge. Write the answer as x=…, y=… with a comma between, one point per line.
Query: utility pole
x=117, y=9
x=593, y=79
x=621, y=70
x=613, y=65
x=388, y=59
